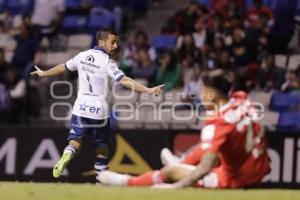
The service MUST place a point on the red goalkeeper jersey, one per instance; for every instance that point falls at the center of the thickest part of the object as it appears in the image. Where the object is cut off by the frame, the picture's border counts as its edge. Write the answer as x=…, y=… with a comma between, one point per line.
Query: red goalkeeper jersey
x=237, y=137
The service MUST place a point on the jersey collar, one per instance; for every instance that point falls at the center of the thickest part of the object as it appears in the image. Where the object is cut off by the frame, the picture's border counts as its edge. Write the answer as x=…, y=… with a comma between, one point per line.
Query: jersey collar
x=100, y=49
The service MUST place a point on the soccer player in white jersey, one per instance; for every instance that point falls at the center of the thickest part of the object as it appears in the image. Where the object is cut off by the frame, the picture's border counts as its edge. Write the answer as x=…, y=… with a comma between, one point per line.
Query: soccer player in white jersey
x=90, y=112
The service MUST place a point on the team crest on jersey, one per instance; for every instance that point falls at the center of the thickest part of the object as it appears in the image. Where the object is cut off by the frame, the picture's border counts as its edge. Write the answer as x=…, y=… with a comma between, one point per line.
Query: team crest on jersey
x=90, y=59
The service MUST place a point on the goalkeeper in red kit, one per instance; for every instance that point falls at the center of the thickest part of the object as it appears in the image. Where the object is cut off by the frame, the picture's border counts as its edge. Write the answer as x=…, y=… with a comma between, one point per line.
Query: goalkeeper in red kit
x=232, y=152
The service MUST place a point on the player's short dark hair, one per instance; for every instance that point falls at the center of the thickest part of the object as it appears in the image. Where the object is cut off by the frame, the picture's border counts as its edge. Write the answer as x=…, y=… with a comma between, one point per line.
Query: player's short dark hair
x=220, y=80
x=103, y=33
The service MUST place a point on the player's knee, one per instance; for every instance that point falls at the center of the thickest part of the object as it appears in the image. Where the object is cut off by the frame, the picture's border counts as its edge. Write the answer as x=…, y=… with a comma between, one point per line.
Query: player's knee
x=175, y=173
x=169, y=173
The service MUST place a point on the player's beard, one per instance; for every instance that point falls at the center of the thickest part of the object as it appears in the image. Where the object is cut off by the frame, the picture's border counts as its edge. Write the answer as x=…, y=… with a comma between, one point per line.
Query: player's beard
x=112, y=53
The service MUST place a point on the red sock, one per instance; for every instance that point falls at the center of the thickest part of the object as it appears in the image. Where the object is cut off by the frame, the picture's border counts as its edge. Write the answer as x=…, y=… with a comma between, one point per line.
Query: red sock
x=194, y=156
x=149, y=178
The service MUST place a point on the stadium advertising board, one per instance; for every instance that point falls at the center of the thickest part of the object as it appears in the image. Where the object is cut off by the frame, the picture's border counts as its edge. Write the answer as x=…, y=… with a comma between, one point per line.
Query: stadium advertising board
x=29, y=154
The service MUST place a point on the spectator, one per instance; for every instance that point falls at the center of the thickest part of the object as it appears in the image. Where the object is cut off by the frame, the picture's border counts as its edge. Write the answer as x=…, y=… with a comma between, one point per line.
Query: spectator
x=270, y=77
x=3, y=66
x=6, y=19
x=239, y=48
x=25, y=50
x=224, y=61
x=145, y=68
x=169, y=71
x=208, y=57
x=5, y=104
x=235, y=9
x=84, y=8
x=186, y=46
x=257, y=40
x=191, y=91
x=140, y=41
x=186, y=18
x=47, y=16
x=200, y=35
x=17, y=92
x=214, y=28
x=219, y=6
x=256, y=11
x=291, y=83
x=218, y=46
x=186, y=65
x=284, y=26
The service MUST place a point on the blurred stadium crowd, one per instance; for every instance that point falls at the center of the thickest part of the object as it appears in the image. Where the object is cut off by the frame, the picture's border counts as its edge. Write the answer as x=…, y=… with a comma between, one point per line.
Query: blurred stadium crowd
x=255, y=39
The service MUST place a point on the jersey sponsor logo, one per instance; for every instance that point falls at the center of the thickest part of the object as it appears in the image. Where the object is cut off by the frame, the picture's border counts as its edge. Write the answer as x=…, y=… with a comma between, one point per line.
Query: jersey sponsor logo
x=88, y=108
x=89, y=64
x=87, y=69
x=90, y=59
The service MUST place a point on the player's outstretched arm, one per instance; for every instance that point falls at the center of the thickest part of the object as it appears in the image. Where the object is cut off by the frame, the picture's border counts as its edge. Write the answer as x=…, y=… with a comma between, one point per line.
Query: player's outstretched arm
x=58, y=69
x=132, y=84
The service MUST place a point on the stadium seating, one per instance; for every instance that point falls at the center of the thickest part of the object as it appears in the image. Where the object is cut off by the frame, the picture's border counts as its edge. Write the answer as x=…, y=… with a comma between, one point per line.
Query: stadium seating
x=54, y=58
x=101, y=18
x=270, y=119
x=261, y=97
x=149, y=98
x=183, y=119
x=72, y=4
x=73, y=52
x=164, y=42
x=100, y=3
x=2, y=5
x=205, y=3
x=152, y=121
x=281, y=60
x=79, y=41
x=294, y=62
x=298, y=9
x=174, y=96
x=131, y=120
x=270, y=3
x=125, y=96
x=73, y=23
x=284, y=102
x=289, y=121
x=18, y=6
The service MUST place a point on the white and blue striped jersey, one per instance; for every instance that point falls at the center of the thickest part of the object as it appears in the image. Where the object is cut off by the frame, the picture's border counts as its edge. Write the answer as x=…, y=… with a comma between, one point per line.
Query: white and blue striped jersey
x=94, y=67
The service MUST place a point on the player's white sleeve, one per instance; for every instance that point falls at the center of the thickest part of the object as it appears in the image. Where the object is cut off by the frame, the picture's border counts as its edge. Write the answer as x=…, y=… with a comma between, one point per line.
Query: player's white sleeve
x=71, y=65
x=113, y=71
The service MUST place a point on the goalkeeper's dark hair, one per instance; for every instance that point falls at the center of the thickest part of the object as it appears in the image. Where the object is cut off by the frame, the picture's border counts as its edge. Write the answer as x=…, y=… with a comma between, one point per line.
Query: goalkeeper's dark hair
x=103, y=33
x=220, y=80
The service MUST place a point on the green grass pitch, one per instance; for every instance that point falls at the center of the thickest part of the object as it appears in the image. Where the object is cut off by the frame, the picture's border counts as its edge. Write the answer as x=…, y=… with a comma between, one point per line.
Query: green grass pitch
x=61, y=191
